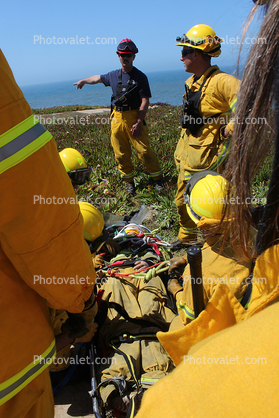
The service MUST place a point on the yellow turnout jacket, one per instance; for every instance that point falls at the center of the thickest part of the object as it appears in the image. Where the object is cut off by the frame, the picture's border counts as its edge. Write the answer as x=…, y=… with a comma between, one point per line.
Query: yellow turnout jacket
x=43, y=256
x=234, y=370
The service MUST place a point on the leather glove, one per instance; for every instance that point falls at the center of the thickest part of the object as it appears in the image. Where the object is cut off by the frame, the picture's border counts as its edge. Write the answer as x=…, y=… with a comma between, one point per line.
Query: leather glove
x=112, y=246
x=174, y=287
x=98, y=261
x=79, y=324
x=177, y=265
x=88, y=337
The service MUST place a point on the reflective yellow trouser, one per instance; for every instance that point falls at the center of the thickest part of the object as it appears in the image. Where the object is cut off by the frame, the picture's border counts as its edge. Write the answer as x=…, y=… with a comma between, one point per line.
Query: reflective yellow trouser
x=121, y=140
x=34, y=401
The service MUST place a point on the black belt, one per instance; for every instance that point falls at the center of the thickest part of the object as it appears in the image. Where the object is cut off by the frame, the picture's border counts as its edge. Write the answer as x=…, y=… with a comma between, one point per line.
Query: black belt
x=124, y=108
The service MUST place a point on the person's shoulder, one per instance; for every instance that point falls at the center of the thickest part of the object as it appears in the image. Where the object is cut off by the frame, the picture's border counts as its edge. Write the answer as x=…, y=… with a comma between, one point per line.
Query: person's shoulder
x=190, y=80
x=113, y=72
x=223, y=74
x=109, y=77
x=223, y=79
x=138, y=72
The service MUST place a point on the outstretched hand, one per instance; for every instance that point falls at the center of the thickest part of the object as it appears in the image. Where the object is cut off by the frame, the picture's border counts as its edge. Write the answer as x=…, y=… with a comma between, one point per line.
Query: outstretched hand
x=79, y=84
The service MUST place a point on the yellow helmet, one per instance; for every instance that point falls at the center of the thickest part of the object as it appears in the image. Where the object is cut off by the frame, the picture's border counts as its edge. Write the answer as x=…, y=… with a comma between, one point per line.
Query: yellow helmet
x=75, y=165
x=202, y=37
x=93, y=221
x=206, y=198
x=72, y=159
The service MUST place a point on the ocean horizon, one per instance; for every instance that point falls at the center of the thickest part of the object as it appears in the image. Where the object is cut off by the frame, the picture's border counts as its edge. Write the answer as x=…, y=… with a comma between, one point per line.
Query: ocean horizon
x=166, y=87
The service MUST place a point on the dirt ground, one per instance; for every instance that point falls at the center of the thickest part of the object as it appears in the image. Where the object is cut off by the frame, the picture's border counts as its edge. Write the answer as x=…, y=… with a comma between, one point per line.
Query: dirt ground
x=78, y=115
x=74, y=400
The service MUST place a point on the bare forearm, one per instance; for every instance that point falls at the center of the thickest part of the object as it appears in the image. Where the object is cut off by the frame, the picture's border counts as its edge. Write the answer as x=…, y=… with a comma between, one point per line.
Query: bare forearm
x=143, y=109
x=94, y=79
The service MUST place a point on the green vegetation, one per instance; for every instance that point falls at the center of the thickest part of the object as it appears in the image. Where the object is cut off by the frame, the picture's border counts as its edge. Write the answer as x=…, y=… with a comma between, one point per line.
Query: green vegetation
x=261, y=181
x=106, y=191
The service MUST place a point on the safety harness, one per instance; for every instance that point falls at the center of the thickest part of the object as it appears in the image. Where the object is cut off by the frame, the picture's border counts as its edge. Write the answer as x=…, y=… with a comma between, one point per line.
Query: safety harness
x=191, y=118
x=127, y=95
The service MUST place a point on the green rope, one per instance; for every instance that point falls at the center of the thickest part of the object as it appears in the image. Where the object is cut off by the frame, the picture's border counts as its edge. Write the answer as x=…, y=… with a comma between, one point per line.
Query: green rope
x=155, y=271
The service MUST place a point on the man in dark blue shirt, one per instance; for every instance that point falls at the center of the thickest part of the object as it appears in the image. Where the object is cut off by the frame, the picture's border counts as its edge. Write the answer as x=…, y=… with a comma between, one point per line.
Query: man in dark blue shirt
x=130, y=101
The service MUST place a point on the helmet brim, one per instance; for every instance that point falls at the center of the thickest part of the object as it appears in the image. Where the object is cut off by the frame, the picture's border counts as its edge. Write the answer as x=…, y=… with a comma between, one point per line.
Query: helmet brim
x=191, y=215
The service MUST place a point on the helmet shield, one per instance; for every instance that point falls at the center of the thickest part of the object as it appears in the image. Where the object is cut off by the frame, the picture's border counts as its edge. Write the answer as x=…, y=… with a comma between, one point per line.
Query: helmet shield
x=80, y=176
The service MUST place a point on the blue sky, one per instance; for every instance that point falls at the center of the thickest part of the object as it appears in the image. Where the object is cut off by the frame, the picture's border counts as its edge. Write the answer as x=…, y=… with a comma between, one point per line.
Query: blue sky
x=69, y=40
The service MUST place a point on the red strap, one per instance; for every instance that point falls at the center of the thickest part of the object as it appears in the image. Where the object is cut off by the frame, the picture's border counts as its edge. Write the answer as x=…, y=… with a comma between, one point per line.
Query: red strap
x=156, y=249
x=99, y=297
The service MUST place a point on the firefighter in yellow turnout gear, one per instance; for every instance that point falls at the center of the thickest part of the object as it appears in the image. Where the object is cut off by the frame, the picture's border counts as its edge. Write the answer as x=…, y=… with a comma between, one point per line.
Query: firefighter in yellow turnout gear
x=148, y=309
x=121, y=140
x=98, y=240
x=224, y=275
x=39, y=243
x=137, y=310
x=235, y=372
x=205, y=197
x=208, y=103
x=129, y=103
x=203, y=346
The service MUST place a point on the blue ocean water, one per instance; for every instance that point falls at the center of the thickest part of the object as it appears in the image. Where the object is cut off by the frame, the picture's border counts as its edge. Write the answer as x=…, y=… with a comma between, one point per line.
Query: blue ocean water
x=166, y=87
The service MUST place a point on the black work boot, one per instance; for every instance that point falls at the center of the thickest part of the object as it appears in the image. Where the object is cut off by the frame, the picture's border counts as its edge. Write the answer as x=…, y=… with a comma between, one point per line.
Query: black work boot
x=130, y=188
x=159, y=184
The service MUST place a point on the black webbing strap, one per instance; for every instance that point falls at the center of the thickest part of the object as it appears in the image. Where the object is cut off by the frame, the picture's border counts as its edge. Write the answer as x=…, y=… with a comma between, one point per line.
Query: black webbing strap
x=206, y=78
x=128, y=338
x=204, y=81
x=247, y=295
x=130, y=361
x=120, y=77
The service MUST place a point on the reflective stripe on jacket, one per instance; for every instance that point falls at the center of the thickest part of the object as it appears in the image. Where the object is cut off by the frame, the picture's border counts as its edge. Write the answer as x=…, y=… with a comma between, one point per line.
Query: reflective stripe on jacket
x=12, y=386
x=21, y=141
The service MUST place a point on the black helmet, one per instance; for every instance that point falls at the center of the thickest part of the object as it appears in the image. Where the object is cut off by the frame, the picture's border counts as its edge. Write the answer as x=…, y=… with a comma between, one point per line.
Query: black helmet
x=126, y=46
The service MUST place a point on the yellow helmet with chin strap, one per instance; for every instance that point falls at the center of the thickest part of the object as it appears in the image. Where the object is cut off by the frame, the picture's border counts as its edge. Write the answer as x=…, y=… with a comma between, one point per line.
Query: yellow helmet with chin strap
x=206, y=196
x=202, y=37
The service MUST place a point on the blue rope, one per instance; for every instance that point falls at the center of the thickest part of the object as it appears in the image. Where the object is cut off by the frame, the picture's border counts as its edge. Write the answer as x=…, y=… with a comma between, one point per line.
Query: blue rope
x=68, y=376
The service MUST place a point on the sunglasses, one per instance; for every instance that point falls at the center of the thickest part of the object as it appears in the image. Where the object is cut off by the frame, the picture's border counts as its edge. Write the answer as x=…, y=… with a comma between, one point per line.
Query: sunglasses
x=125, y=55
x=80, y=176
x=185, y=52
